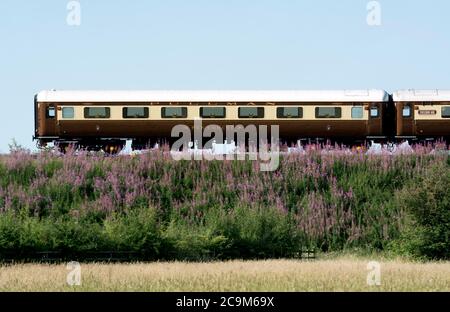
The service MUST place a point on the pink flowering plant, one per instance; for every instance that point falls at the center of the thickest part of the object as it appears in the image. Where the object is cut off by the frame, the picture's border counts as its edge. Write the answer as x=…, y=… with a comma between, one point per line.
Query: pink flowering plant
x=329, y=200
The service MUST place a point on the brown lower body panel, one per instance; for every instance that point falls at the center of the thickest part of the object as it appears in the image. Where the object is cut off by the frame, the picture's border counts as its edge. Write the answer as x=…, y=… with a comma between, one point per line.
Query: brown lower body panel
x=432, y=128
x=163, y=128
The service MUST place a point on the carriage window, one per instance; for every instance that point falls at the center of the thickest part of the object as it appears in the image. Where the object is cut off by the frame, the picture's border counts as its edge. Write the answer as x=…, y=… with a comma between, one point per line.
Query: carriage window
x=251, y=112
x=135, y=112
x=374, y=112
x=97, y=112
x=357, y=112
x=51, y=112
x=328, y=112
x=212, y=112
x=68, y=112
x=289, y=112
x=446, y=112
x=406, y=111
x=174, y=112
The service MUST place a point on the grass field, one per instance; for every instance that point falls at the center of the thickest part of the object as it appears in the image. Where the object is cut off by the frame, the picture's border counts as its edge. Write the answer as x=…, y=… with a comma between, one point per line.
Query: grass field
x=342, y=274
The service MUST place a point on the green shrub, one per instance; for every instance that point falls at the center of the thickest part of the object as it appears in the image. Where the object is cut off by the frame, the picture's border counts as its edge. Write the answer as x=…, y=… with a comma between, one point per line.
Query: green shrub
x=426, y=233
x=256, y=232
x=9, y=232
x=135, y=231
x=192, y=242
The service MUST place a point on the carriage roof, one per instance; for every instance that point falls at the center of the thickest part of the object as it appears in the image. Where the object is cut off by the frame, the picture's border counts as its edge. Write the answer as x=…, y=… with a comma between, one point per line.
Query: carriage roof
x=413, y=95
x=215, y=96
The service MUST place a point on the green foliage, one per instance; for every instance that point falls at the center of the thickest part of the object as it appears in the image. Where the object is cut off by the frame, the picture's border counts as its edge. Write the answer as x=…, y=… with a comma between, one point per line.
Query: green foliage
x=15, y=147
x=182, y=241
x=31, y=234
x=51, y=167
x=426, y=200
x=164, y=209
x=256, y=232
x=136, y=231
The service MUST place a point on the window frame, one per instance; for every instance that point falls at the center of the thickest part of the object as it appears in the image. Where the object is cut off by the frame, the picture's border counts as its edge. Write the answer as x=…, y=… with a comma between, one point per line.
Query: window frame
x=65, y=108
x=280, y=114
x=125, y=110
x=317, y=109
x=213, y=116
x=47, y=112
x=107, y=111
x=371, y=107
x=442, y=112
x=184, y=112
x=259, y=110
x=411, y=107
x=361, y=107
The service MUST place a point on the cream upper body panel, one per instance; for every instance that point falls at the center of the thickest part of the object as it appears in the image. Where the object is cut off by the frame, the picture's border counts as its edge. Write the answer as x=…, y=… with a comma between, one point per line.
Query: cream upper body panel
x=232, y=113
x=430, y=112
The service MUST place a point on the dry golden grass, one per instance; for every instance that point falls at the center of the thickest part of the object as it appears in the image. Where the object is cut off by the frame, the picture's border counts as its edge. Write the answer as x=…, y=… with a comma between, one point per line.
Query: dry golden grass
x=345, y=274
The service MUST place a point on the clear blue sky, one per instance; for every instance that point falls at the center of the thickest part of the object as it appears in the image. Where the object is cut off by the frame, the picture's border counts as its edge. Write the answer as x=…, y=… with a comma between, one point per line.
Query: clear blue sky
x=215, y=44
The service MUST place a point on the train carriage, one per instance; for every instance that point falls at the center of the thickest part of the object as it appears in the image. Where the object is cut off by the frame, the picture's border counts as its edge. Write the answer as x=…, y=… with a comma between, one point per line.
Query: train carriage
x=105, y=119
x=422, y=114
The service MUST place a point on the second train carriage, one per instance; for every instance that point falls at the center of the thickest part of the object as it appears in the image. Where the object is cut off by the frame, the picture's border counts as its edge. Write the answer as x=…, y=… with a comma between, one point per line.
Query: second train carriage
x=422, y=114
x=105, y=119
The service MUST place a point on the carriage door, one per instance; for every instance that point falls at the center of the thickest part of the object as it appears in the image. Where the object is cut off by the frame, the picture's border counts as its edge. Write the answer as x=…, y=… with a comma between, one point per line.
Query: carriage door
x=405, y=119
x=374, y=125
x=50, y=120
